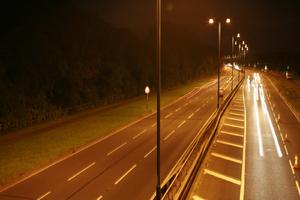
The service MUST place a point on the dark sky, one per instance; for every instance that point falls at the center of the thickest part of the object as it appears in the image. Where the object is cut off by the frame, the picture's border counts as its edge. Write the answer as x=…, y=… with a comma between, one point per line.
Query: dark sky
x=267, y=25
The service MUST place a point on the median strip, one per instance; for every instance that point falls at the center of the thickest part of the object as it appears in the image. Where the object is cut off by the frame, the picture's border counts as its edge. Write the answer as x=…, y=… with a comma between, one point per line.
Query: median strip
x=81, y=171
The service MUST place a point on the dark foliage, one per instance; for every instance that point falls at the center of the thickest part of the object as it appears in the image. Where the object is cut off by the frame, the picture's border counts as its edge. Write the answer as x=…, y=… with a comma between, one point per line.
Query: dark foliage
x=69, y=58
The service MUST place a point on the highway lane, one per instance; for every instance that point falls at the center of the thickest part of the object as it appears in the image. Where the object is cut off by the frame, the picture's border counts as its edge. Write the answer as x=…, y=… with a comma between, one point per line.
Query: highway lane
x=269, y=175
x=261, y=166
x=122, y=164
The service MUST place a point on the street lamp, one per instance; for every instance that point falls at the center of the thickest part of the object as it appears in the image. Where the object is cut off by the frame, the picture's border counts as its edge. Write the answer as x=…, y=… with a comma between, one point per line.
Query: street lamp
x=211, y=21
x=147, y=91
x=158, y=59
x=233, y=42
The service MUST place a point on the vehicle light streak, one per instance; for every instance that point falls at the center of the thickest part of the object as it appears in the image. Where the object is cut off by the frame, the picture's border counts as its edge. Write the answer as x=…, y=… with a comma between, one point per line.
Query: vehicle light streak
x=261, y=153
x=278, y=149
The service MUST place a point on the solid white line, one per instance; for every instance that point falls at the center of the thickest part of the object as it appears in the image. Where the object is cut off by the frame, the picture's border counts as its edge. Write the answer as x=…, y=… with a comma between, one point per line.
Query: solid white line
x=237, y=114
x=125, y=174
x=169, y=135
x=232, y=125
x=223, y=177
x=100, y=197
x=242, y=190
x=78, y=173
x=236, y=119
x=43, y=196
x=233, y=134
x=169, y=115
x=145, y=156
x=298, y=188
x=117, y=148
x=181, y=124
x=143, y=131
x=190, y=116
x=292, y=168
x=230, y=144
x=226, y=158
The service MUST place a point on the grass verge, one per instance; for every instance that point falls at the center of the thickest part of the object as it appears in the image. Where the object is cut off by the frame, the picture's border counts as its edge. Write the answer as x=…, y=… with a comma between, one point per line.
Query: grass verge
x=22, y=155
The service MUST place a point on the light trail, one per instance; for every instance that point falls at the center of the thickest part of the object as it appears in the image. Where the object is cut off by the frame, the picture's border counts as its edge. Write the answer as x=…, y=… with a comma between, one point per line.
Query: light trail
x=261, y=153
x=278, y=149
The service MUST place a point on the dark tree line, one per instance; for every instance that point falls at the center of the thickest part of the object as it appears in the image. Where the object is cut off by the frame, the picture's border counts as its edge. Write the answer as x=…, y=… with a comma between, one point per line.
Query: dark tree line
x=70, y=57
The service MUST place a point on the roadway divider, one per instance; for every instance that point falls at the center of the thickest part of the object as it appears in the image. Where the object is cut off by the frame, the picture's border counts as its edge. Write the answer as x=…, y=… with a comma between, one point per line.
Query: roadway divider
x=180, y=179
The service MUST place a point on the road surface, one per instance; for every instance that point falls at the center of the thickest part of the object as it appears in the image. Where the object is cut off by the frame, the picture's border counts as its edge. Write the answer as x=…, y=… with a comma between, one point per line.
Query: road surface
x=123, y=164
x=251, y=157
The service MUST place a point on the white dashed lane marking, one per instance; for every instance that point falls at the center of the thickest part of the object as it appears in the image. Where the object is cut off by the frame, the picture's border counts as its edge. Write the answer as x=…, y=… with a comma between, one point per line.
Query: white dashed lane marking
x=125, y=174
x=117, y=148
x=81, y=171
x=43, y=196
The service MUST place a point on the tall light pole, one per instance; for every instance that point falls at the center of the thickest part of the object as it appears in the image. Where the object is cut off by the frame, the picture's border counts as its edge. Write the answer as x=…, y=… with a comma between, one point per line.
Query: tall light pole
x=211, y=21
x=158, y=58
x=233, y=42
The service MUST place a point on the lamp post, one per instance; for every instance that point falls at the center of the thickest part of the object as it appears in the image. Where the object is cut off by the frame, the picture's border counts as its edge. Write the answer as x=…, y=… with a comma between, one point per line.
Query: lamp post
x=233, y=42
x=211, y=21
x=158, y=59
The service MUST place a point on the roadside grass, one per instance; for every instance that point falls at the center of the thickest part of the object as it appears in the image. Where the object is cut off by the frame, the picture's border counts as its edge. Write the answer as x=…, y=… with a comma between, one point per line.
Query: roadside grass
x=23, y=155
x=292, y=96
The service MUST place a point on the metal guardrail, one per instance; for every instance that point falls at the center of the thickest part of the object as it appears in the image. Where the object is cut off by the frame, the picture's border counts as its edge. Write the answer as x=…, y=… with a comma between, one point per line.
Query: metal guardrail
x=181, y=177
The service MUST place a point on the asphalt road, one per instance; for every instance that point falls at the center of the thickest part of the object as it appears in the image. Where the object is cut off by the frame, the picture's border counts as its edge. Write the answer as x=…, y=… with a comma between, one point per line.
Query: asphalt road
x=122, y=165
x=251, y=157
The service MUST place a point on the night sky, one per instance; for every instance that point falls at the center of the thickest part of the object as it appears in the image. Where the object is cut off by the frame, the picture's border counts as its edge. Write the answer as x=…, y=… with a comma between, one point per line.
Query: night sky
x=268, y=26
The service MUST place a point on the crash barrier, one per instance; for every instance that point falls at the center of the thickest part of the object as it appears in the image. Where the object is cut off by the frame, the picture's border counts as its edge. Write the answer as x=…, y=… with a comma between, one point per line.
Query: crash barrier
x=180, y=179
